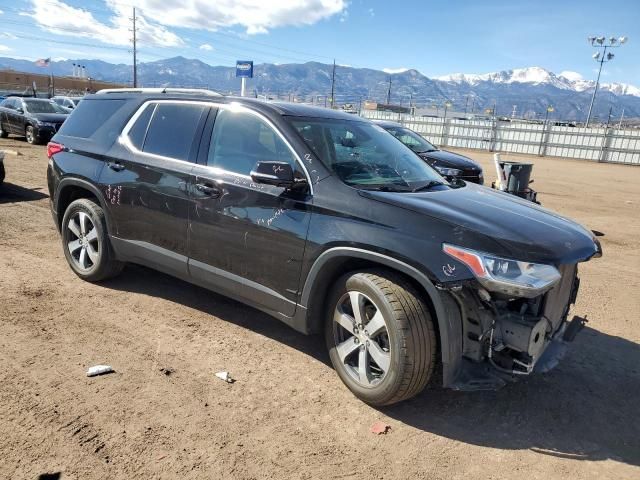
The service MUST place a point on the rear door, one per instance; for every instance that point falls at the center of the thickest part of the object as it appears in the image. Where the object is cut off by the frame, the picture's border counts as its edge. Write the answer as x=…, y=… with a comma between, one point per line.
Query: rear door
x=145, y=183
x=13, y=116
x=245, y=239
x=5, y=112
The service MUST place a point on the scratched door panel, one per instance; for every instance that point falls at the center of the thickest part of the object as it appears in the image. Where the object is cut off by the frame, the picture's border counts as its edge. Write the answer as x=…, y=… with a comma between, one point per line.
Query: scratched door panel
x=253, y=231
x=145, y=181
x=149, y=202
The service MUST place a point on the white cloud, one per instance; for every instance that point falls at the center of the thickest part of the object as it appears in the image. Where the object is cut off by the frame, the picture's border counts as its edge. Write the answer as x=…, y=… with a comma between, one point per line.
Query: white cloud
x=59, y=59
x=7, y=35
x=1, y=12
x=205, y=46
x=372, y=12
x=573, y=76
x=394, y=70
x=54, y=16
x=4, y=48
x=256, y=16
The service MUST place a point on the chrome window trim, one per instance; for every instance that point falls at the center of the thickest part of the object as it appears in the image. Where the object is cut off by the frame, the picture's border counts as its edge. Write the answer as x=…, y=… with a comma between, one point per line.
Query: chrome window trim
x=124, y=139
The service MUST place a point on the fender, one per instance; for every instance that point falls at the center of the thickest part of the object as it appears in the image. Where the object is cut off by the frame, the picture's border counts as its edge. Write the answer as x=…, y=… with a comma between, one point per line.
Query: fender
x=447, y=316
x=78, y=182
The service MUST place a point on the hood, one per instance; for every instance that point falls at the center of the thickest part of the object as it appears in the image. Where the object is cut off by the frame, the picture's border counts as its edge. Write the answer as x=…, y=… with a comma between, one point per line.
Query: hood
x=523, y=230
x=50, y=117
x=442, y=158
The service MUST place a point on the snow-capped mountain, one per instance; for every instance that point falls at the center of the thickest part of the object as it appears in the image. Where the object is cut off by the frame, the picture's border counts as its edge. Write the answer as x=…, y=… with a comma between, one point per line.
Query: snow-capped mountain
x=526, y=91
x=539, y=76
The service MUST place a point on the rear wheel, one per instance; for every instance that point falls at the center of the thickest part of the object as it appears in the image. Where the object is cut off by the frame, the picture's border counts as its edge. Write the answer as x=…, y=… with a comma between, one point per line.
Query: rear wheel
x=85, y=242
x=30, y=134
x=380, y=336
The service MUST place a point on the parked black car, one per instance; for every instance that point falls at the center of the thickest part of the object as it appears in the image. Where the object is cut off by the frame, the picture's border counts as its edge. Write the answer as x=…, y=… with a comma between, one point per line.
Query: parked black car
x=36, y=119
x=450, y=165
x=326, y=222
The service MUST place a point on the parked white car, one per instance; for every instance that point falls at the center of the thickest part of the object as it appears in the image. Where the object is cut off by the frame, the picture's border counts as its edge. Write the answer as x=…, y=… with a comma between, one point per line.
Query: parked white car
x=67, y=102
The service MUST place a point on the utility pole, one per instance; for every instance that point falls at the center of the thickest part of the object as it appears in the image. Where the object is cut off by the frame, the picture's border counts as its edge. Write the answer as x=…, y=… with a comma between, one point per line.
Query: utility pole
x=333, y=84
x=621, y=117
x=466, y=104
x=135, y=66
x=389, y=92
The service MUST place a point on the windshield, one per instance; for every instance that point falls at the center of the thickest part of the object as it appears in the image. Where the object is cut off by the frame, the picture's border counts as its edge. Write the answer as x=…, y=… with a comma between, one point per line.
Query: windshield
x=411, y=139
x=364, y=155
x=37, y=106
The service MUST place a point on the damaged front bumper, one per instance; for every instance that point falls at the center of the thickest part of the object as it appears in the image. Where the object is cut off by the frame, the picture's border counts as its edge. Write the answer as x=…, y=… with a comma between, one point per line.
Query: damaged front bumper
x=505, y=338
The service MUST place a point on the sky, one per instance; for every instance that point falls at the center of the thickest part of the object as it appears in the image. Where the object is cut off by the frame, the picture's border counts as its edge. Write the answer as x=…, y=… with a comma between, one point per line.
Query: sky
x=435, y=37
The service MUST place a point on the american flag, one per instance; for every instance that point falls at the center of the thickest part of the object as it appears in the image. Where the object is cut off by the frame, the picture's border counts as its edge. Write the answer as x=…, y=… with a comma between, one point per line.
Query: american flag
x=43, y=62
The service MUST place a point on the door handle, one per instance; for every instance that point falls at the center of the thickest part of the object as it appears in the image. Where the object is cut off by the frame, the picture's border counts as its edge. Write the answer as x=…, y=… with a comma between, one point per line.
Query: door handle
x=117, y=166
x=209, y=190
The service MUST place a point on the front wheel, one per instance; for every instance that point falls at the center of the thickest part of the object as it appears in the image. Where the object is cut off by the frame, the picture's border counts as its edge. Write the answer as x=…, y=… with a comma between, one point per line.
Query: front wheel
x=30, y=135
x=380, y=336
x=85, y=242
x=3, y=132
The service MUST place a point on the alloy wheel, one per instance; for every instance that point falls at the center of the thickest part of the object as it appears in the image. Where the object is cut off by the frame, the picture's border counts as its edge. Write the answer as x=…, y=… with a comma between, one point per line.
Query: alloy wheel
x=29, y=134
x=83, y=242
x=361, y=338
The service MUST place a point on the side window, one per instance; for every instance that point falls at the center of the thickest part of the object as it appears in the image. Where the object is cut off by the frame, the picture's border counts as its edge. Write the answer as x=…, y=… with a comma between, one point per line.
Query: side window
x=139, y=130
x=240, y=140
x=172, y=130
x=7, y=103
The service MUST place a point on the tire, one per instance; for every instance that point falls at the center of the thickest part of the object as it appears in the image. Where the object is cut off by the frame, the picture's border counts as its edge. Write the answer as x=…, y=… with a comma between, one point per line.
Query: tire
x=407, y=337
x=3, y=132
x=30, y=134
x=85, y=242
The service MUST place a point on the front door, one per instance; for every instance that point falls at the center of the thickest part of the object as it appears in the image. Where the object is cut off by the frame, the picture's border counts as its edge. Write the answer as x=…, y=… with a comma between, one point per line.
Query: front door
x=145, y=184
x=246, y=240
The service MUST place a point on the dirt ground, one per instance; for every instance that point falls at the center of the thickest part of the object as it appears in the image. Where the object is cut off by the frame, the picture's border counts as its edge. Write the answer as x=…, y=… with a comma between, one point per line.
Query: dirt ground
x=288, y=415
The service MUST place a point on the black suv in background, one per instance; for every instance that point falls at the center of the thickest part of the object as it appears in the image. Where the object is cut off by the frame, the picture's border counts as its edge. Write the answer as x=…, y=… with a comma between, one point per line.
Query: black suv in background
x=36, y=119
x=450, y=165
x=326, y=222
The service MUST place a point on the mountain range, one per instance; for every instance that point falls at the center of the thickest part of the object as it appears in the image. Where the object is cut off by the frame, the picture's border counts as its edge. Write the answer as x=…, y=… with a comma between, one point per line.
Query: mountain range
x=528, y=91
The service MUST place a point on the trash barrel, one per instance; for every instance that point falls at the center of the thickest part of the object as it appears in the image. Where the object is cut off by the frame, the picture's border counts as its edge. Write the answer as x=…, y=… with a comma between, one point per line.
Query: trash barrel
x=518, y=175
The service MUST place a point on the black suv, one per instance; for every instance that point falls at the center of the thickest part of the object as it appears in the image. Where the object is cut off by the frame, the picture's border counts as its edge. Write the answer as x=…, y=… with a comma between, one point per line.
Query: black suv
x=37, y=119
x=325, y=221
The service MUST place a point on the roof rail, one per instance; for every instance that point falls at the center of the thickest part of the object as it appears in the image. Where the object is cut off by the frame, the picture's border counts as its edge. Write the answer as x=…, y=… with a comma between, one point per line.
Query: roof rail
x=184, y=91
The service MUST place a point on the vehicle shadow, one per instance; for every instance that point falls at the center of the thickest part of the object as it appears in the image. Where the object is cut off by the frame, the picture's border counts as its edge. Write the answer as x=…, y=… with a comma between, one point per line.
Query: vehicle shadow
x=585, y=409
x=588, y=408
x=11, y=193
x=139, y=279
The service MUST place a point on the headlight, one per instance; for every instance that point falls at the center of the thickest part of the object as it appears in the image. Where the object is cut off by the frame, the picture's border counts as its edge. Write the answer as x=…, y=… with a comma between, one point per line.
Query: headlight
x=448, y=172
x=46, y=124
x=511, y=277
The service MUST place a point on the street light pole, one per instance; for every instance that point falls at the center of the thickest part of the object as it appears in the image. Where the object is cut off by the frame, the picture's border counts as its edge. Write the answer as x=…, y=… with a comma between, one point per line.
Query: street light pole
x=599, y=42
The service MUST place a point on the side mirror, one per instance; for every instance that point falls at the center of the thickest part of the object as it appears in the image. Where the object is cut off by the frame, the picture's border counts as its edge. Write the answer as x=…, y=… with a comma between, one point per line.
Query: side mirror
x=19, y=110
x=279, y=174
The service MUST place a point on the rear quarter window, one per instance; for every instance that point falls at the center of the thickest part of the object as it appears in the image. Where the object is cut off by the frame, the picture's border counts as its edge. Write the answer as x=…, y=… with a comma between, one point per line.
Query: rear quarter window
x=89, y=116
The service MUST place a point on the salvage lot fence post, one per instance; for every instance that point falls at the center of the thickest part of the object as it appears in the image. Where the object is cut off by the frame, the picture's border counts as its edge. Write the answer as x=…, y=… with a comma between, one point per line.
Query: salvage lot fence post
x=600, y=144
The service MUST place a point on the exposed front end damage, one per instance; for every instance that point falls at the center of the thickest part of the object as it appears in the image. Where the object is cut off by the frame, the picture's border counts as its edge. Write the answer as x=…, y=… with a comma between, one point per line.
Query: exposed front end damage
x=505, y=336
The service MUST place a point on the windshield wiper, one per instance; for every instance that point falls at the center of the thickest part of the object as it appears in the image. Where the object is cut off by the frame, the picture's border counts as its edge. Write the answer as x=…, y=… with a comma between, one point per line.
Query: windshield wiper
x=427, y=186
x=429, y=150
